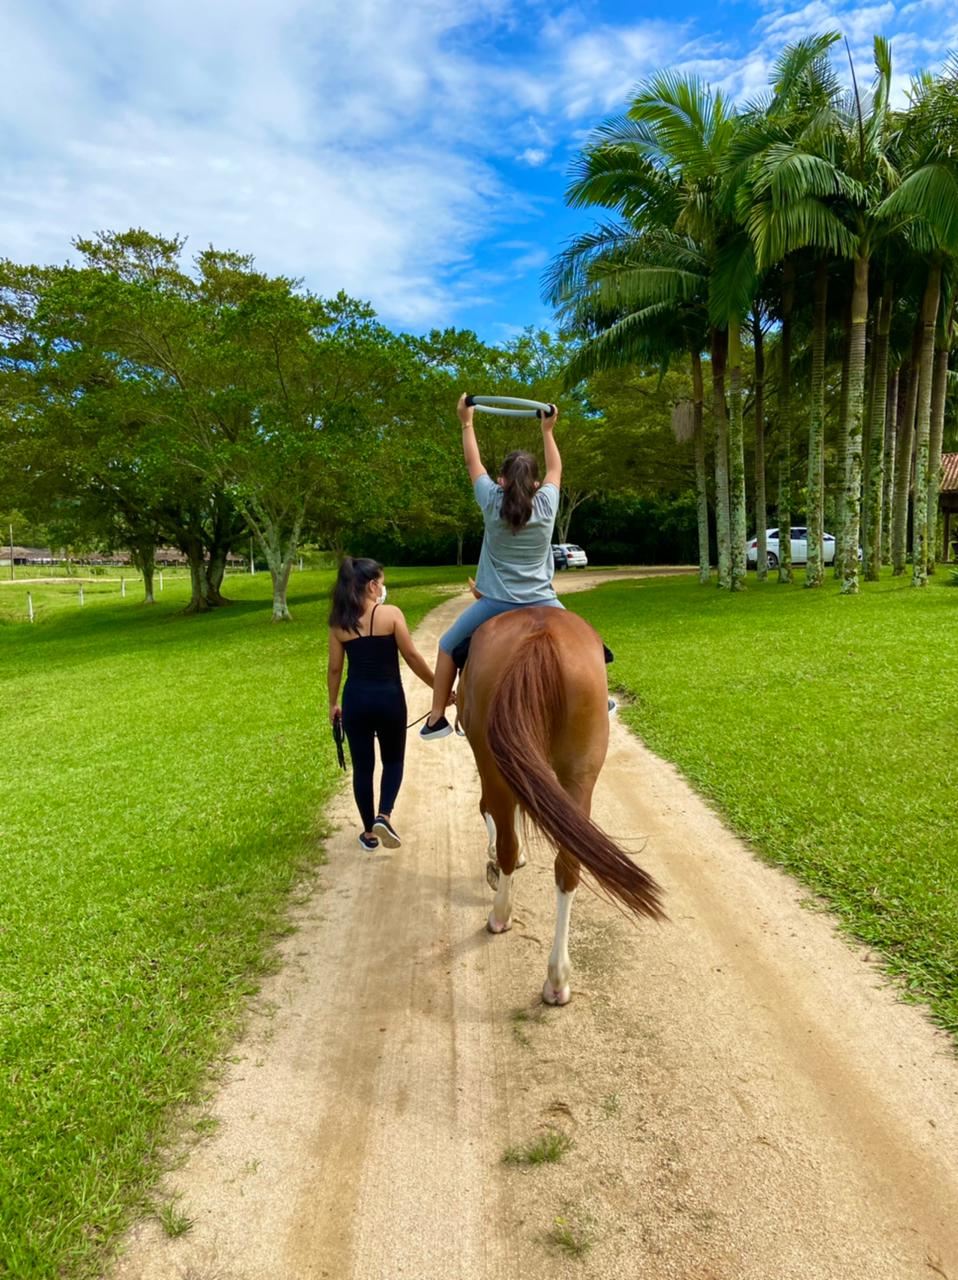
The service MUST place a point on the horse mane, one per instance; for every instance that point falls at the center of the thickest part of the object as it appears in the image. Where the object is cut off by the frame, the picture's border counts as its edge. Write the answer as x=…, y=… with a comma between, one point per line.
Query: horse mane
x=524, y=712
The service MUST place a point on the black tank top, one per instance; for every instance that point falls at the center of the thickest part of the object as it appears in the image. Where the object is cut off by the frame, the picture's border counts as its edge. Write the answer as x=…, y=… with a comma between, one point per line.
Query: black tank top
x=373, y=659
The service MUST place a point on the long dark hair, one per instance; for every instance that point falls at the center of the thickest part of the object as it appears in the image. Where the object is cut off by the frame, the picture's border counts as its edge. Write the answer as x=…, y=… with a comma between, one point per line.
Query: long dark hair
x=520, y=472
x=349, y=592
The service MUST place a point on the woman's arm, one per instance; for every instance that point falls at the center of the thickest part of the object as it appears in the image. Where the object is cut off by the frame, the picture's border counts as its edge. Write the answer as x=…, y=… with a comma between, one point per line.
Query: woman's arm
x=470, y=447
x=417, y=662
x=334, y=673
x=553, y=459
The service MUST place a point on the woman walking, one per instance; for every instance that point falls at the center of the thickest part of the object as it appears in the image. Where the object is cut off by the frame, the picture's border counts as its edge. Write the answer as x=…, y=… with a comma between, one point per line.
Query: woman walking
x=515, y=564
x=370, y=635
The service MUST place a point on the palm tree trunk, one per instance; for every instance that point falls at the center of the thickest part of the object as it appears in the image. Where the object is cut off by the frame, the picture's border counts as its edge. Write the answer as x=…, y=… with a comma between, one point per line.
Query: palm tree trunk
x=938, y=391
x=785, y=429
x=816, y=430
x=888, y=463
x=719, y=345
x=870, y=332
x=856, y=392
x=761, y=513
x=738, y=530
x=929, y=322
x=841, y=444
x=876, y=439
x=701, y=475
x=907, y=403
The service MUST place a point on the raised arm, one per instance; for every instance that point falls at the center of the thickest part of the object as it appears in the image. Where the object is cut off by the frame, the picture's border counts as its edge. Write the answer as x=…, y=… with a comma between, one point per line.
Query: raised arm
x=470, y=448
x=417, y=663
x=553, y=460
x=334, y=672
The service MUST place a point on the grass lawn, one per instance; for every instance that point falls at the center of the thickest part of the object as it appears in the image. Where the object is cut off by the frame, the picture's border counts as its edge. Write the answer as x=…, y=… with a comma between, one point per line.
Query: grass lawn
x=164, y=778
x=825, y=729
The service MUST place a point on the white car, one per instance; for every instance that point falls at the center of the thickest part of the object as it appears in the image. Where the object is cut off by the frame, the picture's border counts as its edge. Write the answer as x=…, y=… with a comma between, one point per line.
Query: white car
x=566, y=555
x=799, y=548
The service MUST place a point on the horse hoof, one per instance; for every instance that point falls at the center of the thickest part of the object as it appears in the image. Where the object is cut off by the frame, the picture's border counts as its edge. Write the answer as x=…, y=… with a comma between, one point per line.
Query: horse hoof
x=492, y=874
x=552, y=996
x=494, y=926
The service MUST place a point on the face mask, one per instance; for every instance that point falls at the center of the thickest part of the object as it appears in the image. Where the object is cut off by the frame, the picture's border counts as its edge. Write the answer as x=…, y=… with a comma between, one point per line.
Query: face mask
x=382, y=595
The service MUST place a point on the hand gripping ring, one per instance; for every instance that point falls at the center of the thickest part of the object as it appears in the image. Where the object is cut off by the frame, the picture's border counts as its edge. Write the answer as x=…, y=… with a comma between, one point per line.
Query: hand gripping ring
x=511, y=406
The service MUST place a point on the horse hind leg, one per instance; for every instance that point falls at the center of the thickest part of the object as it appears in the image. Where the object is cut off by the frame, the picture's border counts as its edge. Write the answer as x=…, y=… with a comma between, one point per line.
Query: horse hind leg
x=506, y=856
x=492, y=863
x=556, y=989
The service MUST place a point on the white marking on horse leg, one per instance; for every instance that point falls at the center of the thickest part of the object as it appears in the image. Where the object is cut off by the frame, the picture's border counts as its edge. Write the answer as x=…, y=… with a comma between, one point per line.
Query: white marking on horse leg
x=556, y=989
x=500, y=917
x=491, y=828
x=520, y=832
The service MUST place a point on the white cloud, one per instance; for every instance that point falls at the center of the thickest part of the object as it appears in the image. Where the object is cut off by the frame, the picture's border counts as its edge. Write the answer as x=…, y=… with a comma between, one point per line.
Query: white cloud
x=335, y=150
x=358, y=150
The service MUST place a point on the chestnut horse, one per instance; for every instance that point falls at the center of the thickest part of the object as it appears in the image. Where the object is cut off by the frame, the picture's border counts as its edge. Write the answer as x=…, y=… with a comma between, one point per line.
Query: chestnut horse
x=533, y=701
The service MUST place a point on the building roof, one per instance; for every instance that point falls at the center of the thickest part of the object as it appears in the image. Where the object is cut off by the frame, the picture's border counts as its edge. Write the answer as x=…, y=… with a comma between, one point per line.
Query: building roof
x=949, y=473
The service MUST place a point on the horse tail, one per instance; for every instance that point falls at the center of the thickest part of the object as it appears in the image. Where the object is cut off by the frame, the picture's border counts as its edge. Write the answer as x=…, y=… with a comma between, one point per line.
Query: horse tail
x=523, y=712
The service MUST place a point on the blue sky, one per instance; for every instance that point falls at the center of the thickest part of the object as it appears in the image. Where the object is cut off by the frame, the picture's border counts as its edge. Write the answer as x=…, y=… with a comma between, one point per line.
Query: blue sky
x=413, y=153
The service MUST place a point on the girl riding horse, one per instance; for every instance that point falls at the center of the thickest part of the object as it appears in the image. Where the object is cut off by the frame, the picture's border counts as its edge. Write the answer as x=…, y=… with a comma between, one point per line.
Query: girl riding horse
x=515, y=564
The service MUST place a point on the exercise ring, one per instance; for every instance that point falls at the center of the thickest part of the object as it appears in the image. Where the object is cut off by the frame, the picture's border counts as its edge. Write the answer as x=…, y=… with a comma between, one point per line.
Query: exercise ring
x=511, y=406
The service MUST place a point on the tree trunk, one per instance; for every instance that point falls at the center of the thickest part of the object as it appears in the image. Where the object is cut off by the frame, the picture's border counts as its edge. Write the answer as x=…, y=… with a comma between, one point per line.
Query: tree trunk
x=888, y=465
x=719, y=343
x=785, y=430
x=738, y=529
x=929, y=323
x=569, y=502
x=701, y=474
x=938, y=393
x=856, y=393
x=280, y=576
x=200, y=601
x=459, y=549
x=761, y=512
x=215, y=573
x=841, y=445
x=905, y=447
x=870, y=331
x=876, y=437
x=814, y=571
x=143, y=557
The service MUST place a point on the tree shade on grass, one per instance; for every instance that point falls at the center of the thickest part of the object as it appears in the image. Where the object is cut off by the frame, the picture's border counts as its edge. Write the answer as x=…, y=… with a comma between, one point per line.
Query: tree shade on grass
x=163, y=795
x=837, y=763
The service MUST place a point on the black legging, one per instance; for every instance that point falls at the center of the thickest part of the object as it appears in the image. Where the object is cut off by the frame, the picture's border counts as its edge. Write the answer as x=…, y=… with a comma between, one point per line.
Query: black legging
x=375, y=709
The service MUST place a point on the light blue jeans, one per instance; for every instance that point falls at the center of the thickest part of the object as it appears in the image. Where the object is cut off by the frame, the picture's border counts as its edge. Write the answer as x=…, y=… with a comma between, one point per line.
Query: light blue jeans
x=481, y=612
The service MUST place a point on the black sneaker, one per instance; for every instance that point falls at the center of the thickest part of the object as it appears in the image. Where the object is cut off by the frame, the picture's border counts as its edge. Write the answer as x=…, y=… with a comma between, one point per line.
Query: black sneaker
x=613, y=706
x=368, y=843
x=441, y=729
x=384, y=829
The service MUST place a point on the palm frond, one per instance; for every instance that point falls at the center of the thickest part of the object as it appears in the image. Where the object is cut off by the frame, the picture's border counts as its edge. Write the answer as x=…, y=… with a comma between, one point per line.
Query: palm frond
x=929, y=196
x=733, y=281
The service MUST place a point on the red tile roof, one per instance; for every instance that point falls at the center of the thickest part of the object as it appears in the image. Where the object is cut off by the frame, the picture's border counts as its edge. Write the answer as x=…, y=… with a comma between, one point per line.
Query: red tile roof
x=949, y=473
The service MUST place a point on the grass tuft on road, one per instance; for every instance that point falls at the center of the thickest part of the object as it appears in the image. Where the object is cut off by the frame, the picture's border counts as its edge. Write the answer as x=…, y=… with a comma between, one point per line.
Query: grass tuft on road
x=824, y=728
x=164, y=781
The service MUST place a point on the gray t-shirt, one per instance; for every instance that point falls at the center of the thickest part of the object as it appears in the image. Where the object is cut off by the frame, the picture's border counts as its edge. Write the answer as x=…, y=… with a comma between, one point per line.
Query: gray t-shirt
x=516, y=566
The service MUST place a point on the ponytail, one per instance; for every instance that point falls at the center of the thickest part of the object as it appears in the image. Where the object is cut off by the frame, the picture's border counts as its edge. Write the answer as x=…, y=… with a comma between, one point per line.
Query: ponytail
x=520, y=474
x=349, y=592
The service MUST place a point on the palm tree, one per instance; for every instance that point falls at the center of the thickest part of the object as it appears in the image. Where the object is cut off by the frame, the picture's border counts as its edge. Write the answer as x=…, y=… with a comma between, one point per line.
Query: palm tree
x=662, y=168
x=609, y=287
x=925, y=206
x=783, y=151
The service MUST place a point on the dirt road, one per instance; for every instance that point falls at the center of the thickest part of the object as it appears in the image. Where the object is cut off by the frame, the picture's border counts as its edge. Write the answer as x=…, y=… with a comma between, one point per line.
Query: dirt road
x=745, y=1097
